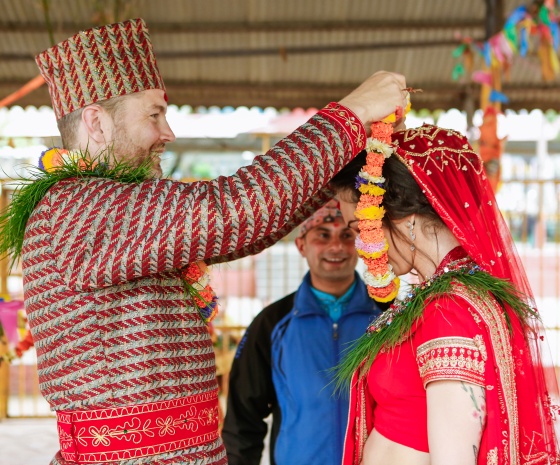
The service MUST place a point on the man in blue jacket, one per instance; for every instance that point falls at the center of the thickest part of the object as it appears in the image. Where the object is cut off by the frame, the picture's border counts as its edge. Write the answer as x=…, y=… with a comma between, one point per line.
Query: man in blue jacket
x=282, y=365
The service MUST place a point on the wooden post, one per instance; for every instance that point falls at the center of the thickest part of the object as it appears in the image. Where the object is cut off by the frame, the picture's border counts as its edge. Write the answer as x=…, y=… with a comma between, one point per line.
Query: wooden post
x=4, y=377
x=4, y=365
x=4, y=199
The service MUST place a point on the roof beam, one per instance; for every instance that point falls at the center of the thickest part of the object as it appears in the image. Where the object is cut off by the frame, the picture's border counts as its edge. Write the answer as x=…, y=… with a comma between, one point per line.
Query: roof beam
x=269, y=86
x=279, y=50
x=291, y=95
x=306, y=49
x=303, y=94
x=261, y=26
x=443, y=87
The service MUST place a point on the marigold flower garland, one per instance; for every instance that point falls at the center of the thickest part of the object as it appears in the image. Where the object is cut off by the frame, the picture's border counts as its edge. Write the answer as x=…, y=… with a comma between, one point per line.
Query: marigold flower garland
x=56, y=157
x=382, y=283
x=51, y=158
x=197, y=284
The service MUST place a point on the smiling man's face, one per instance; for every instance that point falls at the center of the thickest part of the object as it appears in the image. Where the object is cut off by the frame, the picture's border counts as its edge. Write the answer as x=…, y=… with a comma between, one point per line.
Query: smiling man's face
x=330, y=251
x=141, y=129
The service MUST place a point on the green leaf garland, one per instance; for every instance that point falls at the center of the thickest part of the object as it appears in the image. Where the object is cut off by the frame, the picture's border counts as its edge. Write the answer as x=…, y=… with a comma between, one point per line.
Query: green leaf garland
x=30, y=191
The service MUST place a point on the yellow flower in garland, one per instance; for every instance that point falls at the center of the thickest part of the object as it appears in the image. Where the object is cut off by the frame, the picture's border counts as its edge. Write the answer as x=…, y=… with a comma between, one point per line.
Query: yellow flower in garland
x=371, y=190
x=370, y=213
x=52, y=158
x=55, y=158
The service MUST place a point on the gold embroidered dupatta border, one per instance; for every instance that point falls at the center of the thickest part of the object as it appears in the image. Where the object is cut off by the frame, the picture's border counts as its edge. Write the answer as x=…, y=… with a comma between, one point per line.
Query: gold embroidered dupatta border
x=492, y=315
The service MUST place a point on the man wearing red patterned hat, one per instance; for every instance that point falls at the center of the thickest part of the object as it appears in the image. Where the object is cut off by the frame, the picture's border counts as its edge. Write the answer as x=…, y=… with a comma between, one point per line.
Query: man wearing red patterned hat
x=114, y=258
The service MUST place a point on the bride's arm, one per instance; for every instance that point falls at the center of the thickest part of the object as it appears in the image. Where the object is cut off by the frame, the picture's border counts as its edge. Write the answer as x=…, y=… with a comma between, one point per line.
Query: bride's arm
x=456, y=419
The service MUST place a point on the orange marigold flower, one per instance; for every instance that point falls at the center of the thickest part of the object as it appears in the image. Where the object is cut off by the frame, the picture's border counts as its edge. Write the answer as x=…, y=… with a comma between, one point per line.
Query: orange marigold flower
x=376, y=199
x=193, y=272
x=368, y=225
x=375, y=159
x=383, y=291
x=373, y=170
x=368, y=201
x=204, y=297
x=376, y=262
x=372, y=236
x=206, y=294
x=379, y=270
x=382, y=132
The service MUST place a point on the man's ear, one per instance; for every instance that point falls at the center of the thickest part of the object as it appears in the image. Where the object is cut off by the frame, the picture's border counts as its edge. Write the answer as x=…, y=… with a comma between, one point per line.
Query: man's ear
x=300, y=244
x=96, y=122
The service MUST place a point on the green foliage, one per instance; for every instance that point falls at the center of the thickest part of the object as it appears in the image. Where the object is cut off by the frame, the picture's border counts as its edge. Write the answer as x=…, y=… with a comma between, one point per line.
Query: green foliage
x=32, y=189
x=396, y=327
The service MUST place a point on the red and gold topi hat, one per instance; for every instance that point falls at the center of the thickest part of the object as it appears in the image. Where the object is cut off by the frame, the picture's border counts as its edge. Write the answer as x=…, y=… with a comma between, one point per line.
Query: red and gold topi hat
x=328, y=213
x=99, y=64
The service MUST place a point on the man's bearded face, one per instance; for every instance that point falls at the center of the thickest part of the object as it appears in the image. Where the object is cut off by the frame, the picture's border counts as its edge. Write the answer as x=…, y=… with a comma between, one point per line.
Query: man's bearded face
x=141, y=130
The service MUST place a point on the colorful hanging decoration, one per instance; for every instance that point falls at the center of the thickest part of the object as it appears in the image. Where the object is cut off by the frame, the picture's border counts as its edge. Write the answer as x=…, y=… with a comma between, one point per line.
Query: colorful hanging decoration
x=528, y=29
x=24, y=344
x=465, y=51
x=9, y=314
x=382, y=284
x=531, y=29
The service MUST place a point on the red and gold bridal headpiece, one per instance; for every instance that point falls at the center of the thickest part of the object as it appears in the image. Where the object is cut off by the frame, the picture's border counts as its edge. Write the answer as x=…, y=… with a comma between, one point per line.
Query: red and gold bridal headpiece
x=453, y=180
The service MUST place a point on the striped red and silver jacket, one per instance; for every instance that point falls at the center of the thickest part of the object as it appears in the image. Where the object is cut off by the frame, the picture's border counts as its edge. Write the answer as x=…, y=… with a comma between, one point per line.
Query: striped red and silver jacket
x=101, y=267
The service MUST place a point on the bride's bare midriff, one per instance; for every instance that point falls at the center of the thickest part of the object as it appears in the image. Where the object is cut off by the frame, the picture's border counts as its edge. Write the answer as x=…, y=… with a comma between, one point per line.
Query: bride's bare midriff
x=382, y=451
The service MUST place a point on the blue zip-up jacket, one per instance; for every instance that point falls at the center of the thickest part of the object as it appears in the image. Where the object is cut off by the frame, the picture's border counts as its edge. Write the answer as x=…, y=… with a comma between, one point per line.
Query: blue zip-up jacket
x=282, y=367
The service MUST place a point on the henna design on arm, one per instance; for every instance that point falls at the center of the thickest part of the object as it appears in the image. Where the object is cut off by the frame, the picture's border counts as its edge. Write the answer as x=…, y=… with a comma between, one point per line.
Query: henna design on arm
x=479, y=405
x=479, y=413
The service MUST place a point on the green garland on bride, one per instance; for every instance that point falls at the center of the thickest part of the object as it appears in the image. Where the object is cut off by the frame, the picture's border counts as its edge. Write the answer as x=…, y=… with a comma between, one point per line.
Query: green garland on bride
x=395, y=324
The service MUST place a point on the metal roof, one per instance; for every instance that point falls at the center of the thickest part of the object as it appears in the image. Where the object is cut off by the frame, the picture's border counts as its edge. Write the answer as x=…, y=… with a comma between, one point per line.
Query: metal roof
x=283, y=53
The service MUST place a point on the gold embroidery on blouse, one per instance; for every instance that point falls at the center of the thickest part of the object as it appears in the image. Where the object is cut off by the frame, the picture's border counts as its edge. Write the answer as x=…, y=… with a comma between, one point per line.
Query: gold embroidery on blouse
x=360, y=422
x=479, y=343
x=454, y=357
